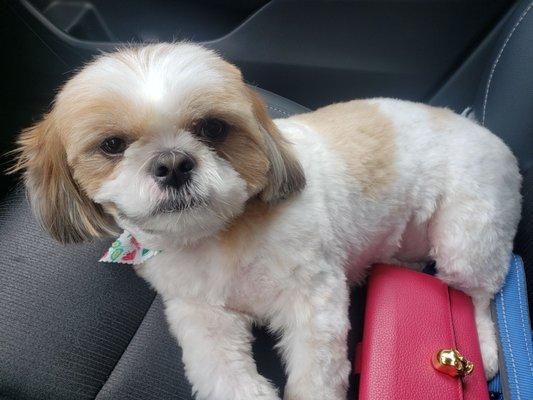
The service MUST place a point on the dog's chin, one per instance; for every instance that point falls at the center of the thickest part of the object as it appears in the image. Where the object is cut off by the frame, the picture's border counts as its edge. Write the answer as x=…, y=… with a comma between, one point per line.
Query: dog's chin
x=181, y=218
x=178, y=205
x=176, y=222
x=168, y=214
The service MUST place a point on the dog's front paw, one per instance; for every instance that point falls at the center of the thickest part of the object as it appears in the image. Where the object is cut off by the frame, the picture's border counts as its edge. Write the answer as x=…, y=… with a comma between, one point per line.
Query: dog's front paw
x=486, y=331
x=489, y=354
x=251, y=392
x=260, y=390
x=263, y=394
x=489, y=347
x=333, y=387
x=270, y=396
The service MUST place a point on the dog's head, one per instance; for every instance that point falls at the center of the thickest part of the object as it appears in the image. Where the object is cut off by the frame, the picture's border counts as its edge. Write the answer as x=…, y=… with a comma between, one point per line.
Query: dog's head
x=165, y=138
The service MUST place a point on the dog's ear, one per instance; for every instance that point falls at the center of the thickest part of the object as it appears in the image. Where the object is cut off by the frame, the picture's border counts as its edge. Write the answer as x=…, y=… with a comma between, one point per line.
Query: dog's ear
x=57, y=202
x=285, y=175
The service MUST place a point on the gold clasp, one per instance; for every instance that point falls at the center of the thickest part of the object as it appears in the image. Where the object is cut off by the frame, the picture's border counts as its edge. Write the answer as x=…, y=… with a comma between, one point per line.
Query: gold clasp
x=451, y=362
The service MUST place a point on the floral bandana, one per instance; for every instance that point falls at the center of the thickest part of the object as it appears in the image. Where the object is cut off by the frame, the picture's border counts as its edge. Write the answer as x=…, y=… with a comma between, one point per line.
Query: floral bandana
x=127, y=250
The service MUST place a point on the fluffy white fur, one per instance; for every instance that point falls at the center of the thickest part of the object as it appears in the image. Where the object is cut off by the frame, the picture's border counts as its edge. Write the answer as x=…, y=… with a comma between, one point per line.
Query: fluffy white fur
x=456, y=199
x=453, y=197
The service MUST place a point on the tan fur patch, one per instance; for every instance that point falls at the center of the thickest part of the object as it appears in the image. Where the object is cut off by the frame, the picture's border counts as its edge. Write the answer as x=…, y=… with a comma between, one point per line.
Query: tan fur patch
x=90, y=172
x=248, y=157
x=238, y=235
x=84, y=123
x=285, y=175
x=60, y=206
x=253, y=156
x=362, y=136
x=257, y=150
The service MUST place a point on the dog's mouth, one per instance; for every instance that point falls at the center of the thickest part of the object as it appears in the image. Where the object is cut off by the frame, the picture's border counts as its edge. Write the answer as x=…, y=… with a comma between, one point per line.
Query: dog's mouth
x=174, y=202
x=175, y=205
x=178, y=201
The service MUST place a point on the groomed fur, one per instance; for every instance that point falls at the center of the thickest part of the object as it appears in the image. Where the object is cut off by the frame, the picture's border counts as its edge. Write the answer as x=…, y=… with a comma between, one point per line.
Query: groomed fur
x=61, y=207
x=278, y=217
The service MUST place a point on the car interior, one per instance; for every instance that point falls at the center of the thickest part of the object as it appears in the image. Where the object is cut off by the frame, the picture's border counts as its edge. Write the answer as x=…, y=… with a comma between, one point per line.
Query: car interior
x=73, y=328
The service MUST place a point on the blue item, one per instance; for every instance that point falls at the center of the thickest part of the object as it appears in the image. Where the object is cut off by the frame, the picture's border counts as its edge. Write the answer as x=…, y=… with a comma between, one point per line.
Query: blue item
x=495, y=388
x=510, y=308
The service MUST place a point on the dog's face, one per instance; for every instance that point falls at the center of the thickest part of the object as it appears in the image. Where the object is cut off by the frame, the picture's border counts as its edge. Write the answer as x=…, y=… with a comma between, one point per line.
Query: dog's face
x=166, y=139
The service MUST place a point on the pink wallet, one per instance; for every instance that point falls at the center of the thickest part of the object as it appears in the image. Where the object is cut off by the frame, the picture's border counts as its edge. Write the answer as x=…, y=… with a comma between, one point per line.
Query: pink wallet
x=419, y=340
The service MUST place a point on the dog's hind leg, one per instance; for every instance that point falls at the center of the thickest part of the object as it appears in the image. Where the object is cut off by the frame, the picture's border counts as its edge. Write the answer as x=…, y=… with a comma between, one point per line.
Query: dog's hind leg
x=471, y=241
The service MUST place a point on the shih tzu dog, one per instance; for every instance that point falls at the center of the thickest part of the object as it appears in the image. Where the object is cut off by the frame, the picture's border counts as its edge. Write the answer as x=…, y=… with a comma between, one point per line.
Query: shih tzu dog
x=268, y=222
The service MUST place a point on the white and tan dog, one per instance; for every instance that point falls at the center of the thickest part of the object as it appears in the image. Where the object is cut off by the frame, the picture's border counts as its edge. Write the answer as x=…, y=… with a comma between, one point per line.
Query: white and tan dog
x=263, y=221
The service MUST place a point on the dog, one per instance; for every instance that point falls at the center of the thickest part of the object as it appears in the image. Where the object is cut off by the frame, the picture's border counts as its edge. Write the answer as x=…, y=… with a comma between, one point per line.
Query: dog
x=268, y=222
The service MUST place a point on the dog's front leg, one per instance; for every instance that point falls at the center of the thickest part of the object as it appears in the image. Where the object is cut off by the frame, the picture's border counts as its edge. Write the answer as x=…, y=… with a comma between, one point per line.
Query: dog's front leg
x=313, y=321
x=217, y=352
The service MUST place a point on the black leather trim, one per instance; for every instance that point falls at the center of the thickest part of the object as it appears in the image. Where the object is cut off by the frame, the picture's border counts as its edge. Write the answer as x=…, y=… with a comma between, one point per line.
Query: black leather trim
x=460, y=89
x=280, y=107
x=524, y=236
x=504, y=103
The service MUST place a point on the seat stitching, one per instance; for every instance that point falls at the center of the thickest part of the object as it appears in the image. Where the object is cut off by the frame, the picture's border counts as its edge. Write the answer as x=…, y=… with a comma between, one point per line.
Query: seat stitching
x=522, y=314
x=285, y=113
x=506, y=327
x=127, y=346
x=493, y=69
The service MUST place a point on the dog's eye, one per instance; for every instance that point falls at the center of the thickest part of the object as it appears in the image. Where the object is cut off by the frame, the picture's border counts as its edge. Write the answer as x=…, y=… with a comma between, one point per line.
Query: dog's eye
x=211, y=129
x=113, y=146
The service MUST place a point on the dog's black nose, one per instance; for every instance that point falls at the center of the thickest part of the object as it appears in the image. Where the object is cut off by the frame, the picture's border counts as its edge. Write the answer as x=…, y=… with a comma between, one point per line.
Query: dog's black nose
x=172, y=169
